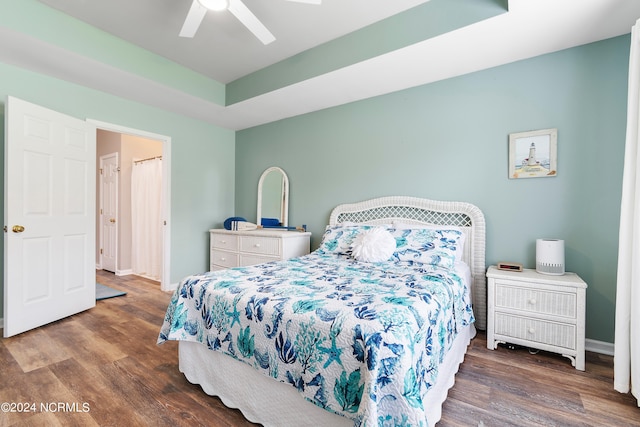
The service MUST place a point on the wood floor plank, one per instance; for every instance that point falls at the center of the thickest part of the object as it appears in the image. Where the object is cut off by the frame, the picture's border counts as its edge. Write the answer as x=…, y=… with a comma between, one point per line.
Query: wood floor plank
x=607, y=412
x=44, y=419
x=108, y=406
x=33, y=349
x=190, y=408
x=80, y=343
x=8, y=365
x=108, y=357
x=38, y=400
x=139, y=394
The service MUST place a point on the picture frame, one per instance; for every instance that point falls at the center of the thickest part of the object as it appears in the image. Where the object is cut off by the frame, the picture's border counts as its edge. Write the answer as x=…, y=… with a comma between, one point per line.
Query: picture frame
x=533, y=154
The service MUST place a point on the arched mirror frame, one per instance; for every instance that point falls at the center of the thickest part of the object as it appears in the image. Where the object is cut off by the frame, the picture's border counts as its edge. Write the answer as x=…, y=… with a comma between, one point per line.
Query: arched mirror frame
x=284, y=195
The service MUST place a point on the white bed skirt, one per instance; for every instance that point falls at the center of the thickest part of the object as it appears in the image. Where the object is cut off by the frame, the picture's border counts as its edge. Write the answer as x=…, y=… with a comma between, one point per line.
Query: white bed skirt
x=272, y=403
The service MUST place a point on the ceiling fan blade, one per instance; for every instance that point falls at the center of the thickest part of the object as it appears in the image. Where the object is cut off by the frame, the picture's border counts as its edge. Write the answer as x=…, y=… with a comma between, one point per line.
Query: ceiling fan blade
x=308, y=1
x=194, y=18
x=250, y=21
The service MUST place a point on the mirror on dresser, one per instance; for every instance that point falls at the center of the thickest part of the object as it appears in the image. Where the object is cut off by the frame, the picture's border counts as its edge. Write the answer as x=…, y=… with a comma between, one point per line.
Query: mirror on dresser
x=273, y=197
x=241, y=248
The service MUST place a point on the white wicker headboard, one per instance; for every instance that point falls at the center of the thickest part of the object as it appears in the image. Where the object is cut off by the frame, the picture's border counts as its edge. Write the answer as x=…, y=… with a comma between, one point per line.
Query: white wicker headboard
x=414, y=210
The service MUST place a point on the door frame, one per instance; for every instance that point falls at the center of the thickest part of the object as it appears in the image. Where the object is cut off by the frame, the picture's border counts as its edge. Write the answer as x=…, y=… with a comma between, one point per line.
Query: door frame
x=165, y=281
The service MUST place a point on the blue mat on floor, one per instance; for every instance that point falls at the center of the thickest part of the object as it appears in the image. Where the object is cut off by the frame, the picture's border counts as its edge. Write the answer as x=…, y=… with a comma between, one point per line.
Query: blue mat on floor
x=104, y=292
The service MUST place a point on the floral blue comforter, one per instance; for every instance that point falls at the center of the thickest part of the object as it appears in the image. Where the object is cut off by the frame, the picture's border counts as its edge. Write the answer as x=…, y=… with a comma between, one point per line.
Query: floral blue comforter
x=363, y=340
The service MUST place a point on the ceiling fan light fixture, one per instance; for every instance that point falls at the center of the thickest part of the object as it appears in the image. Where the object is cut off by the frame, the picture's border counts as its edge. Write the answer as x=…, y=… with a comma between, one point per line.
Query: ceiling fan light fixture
x=216, y=5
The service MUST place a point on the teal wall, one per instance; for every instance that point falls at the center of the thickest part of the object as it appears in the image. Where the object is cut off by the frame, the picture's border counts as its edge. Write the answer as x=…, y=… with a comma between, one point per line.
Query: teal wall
x=202, y=157
x=448, y=140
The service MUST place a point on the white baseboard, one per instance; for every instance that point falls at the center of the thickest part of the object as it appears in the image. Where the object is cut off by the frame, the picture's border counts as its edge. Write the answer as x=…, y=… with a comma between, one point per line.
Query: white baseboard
x=117, y=272
x=124, y=272
x=599, y=347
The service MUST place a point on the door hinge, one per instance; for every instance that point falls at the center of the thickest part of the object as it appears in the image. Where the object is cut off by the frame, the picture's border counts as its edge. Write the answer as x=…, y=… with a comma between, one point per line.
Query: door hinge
x=100, y=251
x=100, y=171
x=5, y=228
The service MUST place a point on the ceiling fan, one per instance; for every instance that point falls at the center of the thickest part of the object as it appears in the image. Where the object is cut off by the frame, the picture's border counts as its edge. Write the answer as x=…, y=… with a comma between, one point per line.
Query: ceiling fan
x=199, y=8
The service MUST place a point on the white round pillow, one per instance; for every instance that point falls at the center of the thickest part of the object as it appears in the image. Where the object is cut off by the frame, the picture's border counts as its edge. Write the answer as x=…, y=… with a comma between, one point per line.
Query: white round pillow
x=373, y=245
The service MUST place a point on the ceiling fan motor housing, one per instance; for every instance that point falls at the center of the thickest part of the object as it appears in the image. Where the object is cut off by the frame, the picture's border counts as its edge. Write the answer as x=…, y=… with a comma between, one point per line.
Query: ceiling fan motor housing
x=215, y=4
x=199, y=9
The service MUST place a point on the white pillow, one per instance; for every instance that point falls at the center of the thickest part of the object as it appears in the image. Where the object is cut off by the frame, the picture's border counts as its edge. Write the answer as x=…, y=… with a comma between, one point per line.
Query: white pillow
x=373, y=245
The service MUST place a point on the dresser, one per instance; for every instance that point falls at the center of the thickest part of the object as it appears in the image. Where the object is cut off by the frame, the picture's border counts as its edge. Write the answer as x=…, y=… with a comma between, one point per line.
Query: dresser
x=538, y=311
x=241, y=248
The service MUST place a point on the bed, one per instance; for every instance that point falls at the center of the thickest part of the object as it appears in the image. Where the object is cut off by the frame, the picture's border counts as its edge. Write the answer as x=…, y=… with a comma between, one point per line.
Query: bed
x=369, y=329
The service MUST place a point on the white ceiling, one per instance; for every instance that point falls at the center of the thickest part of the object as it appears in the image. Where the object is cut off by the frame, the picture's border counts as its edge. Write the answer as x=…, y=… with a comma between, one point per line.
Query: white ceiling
x=530, y=28
x=223, y=48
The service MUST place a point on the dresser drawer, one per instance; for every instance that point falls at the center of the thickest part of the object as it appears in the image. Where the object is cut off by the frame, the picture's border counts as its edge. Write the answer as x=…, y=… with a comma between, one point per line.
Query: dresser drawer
x=224, y=241
x=269, y=246
x=224, y=258
x=528, y=299
x=213, y=267
x=535, y=330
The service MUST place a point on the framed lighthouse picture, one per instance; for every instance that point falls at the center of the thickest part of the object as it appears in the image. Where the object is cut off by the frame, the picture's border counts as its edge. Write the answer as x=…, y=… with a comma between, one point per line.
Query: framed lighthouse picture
x=533, y=154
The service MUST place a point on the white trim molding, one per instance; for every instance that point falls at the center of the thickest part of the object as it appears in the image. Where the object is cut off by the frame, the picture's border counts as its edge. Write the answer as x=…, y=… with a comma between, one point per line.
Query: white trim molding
x=599, y=347
x=124, y=272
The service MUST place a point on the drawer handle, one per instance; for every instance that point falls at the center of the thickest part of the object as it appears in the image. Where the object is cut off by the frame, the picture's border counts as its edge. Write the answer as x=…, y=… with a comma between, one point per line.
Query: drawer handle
x=532, y=331
x=532, y=301
x=224, y=242
x=257, y=245
x=223, y=259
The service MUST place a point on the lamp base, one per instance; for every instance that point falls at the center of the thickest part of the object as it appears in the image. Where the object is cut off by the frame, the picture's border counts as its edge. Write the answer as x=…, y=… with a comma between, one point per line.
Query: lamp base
x=550, y=256
x=551, y=269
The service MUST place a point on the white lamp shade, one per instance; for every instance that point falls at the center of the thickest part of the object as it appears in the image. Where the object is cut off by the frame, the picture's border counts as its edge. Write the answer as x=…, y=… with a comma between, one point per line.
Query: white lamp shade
x=550, y=256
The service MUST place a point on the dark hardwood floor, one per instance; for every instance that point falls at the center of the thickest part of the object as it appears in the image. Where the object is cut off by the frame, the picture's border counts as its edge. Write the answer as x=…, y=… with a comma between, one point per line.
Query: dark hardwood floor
x=102, y=367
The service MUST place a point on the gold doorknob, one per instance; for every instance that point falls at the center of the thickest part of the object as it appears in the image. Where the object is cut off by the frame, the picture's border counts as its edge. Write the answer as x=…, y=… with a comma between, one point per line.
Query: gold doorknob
x=112, y=220
x=18, y=229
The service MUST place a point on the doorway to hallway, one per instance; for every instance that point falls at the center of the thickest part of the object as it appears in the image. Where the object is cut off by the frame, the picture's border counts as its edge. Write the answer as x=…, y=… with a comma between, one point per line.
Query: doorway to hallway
x=115, y=227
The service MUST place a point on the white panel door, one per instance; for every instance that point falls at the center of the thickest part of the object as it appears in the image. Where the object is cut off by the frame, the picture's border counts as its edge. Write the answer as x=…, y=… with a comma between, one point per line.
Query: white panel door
x=108, y=211
x=50, y=187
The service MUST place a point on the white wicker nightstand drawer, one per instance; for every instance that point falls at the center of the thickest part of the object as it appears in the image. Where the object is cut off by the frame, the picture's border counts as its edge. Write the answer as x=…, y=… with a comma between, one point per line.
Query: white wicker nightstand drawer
x=533, y=300
x=260, y=245
x=535, y=330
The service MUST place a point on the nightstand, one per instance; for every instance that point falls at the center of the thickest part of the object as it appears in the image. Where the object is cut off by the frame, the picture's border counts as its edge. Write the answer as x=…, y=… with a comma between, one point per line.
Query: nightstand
x=537, y=310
